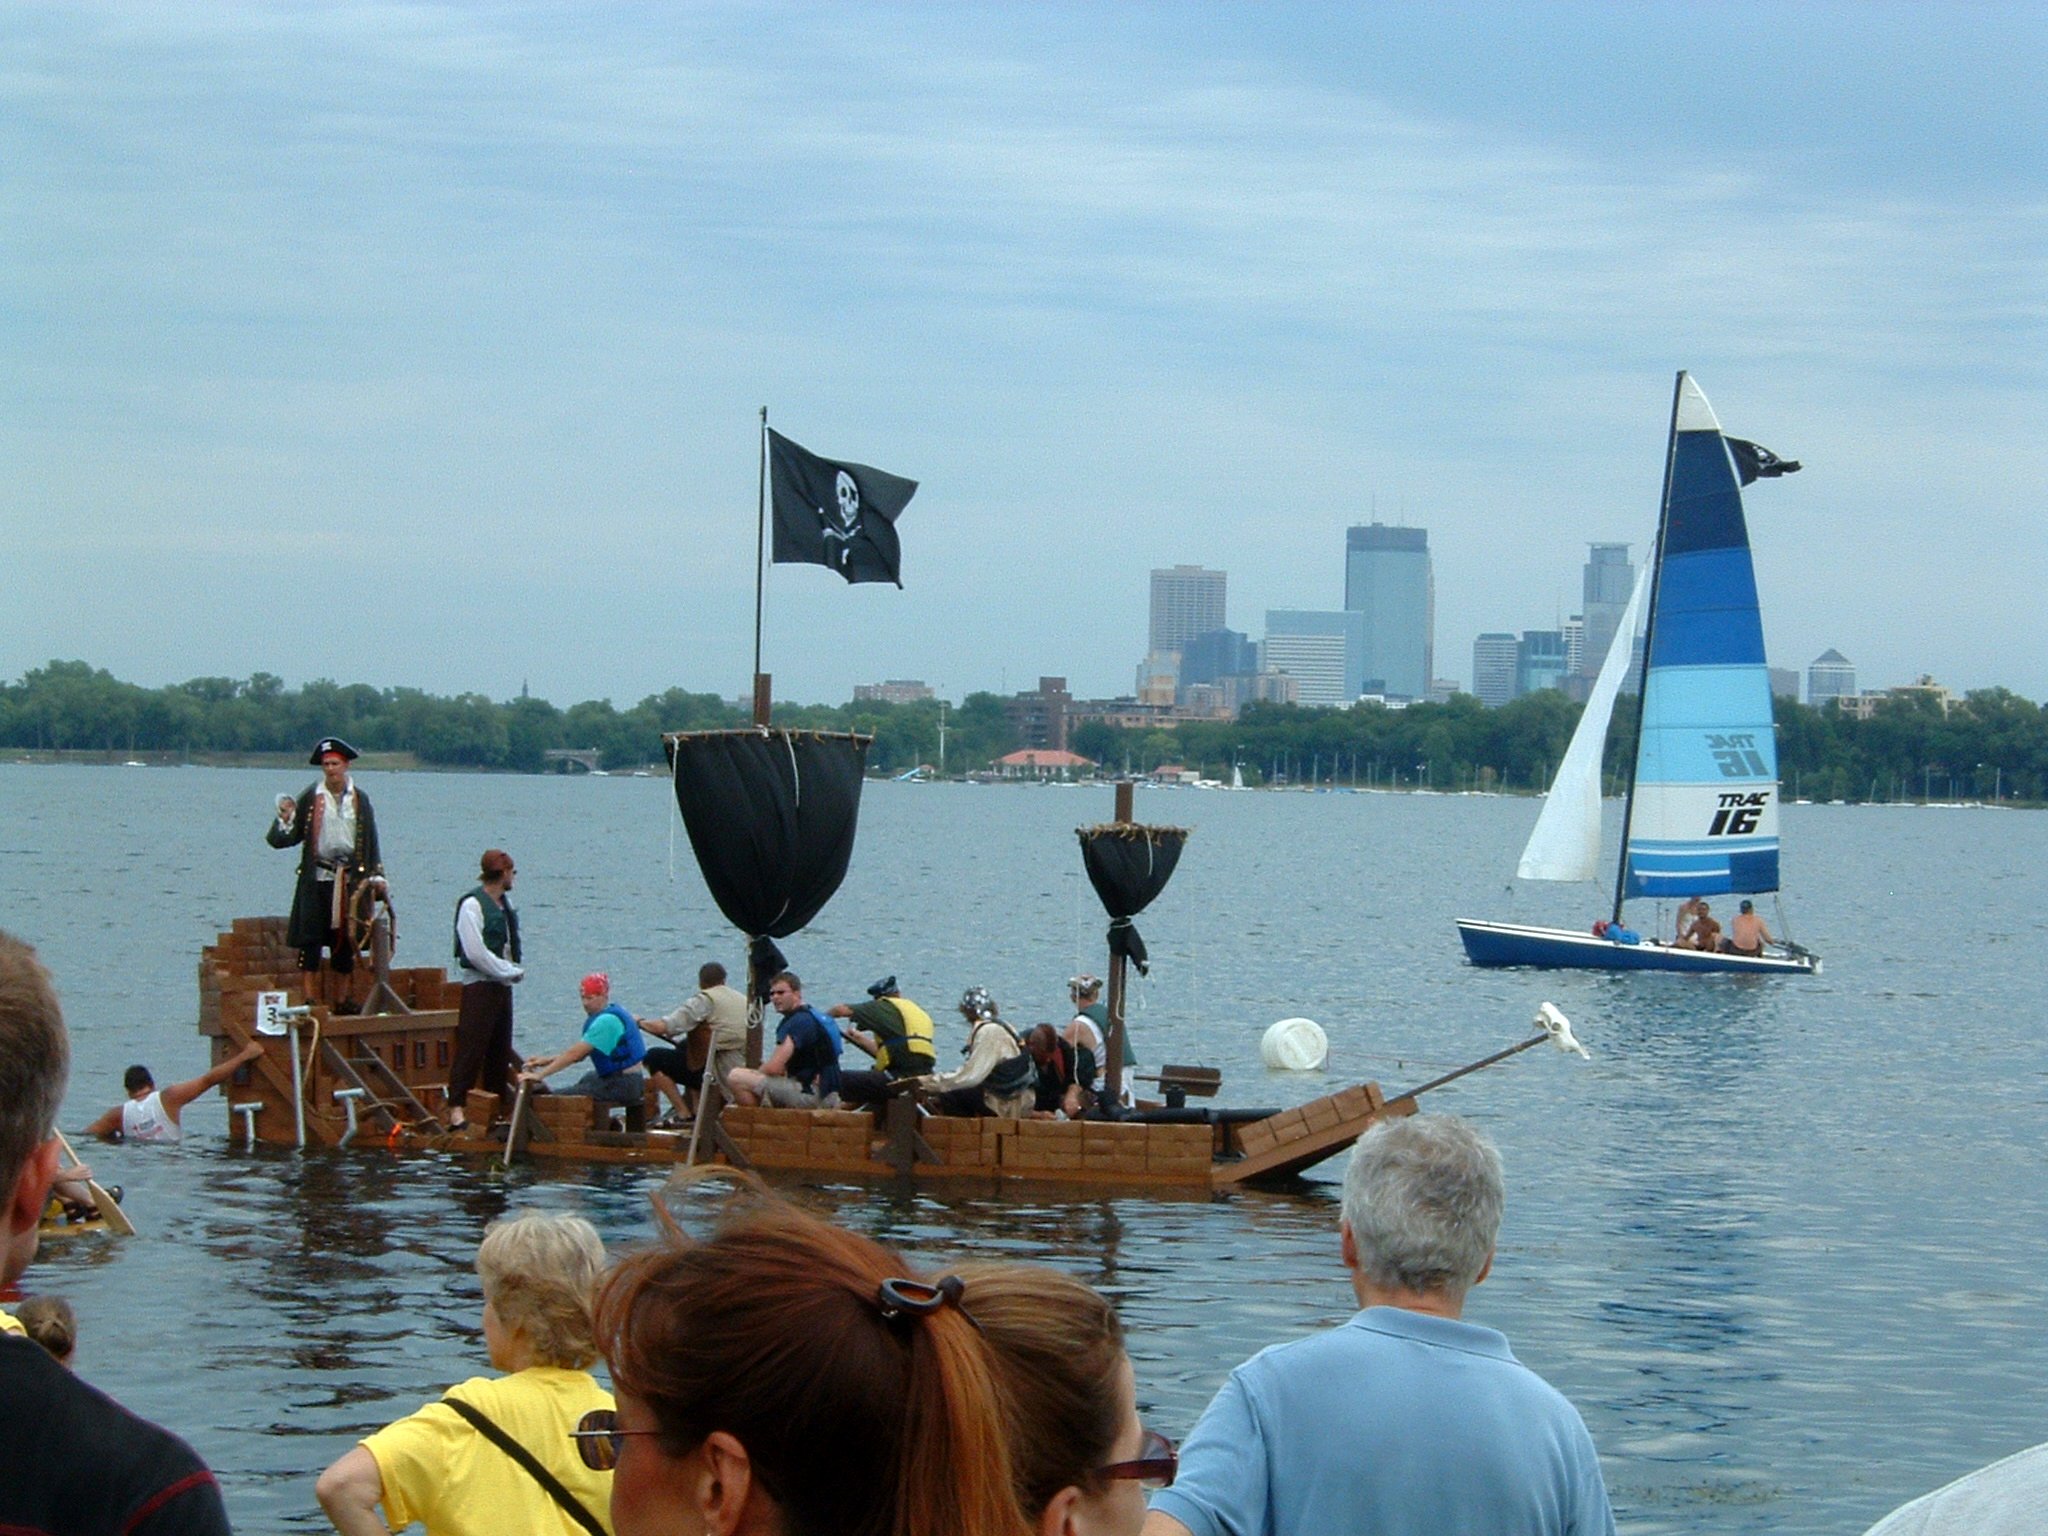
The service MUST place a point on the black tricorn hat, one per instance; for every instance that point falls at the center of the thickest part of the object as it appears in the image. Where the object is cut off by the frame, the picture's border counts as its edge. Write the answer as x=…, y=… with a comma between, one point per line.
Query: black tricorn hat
x=328, y=744
x=886, y=987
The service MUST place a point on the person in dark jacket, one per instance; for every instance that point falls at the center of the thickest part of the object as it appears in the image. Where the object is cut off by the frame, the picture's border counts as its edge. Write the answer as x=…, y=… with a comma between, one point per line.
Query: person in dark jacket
x=332, y=825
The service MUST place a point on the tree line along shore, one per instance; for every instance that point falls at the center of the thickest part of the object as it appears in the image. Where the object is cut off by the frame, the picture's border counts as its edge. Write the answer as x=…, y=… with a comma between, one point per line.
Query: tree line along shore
x=1991, y=745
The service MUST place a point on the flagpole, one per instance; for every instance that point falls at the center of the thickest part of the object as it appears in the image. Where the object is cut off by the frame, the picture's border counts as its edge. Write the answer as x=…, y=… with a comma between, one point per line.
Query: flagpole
x=762, y=691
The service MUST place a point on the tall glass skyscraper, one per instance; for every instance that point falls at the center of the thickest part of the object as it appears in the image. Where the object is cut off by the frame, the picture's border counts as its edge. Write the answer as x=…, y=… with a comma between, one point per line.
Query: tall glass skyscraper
x=1388, y=578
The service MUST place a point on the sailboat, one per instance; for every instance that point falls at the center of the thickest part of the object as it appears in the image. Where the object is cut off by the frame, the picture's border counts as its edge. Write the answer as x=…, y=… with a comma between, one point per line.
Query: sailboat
x=1701, y=815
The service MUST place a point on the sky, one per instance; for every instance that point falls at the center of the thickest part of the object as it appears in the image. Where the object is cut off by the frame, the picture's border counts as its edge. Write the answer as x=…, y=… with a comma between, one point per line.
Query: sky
x=426, y=346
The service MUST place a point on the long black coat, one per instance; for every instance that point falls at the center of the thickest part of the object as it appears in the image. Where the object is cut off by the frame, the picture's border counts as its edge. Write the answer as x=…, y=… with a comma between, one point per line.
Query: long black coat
x=311, y=918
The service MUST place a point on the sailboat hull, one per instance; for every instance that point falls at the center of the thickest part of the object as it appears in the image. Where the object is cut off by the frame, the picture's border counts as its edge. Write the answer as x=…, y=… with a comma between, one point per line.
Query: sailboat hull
x=1496, y=944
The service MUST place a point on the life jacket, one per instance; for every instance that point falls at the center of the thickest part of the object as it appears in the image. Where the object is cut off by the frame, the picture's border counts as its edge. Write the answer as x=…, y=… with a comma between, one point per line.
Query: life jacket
x=815, y=1067
x=1015, y=1073
x=501, y=929
x=628, y=1052
x=912, y=1051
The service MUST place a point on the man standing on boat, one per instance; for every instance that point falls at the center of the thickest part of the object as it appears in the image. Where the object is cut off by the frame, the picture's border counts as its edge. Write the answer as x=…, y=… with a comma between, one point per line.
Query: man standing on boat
x=804, y=1071
x=487, y=953
x=896, y=1032
x=73, y=1462
x=332, y=824
x=1407, y=1420
x=150, y=1115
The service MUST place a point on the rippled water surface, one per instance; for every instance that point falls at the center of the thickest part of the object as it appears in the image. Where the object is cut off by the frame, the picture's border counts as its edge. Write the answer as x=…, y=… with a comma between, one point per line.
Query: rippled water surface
x=1783, y=1241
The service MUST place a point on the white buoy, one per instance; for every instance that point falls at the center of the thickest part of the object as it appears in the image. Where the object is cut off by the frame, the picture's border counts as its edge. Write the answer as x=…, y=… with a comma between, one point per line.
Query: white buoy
x=1295, y=1045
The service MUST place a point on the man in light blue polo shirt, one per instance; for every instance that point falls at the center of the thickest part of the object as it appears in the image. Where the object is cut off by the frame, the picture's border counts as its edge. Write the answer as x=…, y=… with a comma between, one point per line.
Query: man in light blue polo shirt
x=1405, y=1421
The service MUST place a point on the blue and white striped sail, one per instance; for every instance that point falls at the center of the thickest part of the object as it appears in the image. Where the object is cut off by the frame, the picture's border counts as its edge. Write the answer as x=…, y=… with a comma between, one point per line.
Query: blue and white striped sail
x=1705, y=813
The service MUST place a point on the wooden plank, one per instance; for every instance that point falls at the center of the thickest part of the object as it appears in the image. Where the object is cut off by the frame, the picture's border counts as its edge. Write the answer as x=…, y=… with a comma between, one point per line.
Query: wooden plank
x=1293, y=1154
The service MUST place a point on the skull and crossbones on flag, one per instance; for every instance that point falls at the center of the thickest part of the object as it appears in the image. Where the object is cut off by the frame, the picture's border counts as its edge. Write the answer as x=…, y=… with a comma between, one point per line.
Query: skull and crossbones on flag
x=838, y=515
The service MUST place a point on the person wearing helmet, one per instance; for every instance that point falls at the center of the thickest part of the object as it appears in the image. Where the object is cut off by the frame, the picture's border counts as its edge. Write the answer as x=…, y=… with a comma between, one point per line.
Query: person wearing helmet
x=896, y=1032
x=997, y=1078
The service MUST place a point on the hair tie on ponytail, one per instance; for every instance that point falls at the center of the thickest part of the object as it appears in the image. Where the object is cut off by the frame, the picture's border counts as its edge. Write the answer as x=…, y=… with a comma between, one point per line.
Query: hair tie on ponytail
x=900, y=1301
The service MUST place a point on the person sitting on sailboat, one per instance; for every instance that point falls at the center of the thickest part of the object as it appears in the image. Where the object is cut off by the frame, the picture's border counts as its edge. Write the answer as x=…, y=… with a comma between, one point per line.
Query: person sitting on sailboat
x=997, y=1078
x=804, y=1071
x=1689, y=911
x=1705, y=933
x=1747, y=935
x=893, y=1030
x=611, y=1042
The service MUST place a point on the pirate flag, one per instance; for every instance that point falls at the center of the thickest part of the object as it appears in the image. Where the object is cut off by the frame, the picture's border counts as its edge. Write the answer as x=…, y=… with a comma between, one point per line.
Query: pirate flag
x=838, y=515
x=1755, y=462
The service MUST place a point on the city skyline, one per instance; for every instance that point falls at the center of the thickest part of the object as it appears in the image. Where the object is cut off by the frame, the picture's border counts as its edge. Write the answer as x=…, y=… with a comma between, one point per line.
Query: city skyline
x=390, y=344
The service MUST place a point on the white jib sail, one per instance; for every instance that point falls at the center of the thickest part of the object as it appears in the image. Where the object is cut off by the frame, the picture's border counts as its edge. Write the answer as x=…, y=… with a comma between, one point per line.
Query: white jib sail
x=1566, y=842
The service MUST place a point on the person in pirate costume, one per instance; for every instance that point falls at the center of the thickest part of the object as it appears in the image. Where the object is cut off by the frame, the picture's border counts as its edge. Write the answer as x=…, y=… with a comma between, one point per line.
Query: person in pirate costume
x=332, y=824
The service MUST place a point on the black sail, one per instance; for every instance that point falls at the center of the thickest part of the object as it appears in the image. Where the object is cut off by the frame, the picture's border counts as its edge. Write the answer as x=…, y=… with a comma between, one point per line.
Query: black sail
x=1128, y=864
x=771, y=816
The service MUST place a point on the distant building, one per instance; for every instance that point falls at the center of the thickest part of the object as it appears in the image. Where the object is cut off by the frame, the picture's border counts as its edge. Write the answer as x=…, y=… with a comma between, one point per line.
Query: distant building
x=1040, y=717
x=1187, y=601
x=1388, y=580
x=1260, y=688
x=1831, y=676
x=1494, y=658
x=1217, y=653
x=1158, y=680
x=1539, y=661
x=1785, y=683
x=1323, y=652
x=898, y=690
x=1032, y=763
x=1574, y=632
x=1609, y=580
x=1443, y=689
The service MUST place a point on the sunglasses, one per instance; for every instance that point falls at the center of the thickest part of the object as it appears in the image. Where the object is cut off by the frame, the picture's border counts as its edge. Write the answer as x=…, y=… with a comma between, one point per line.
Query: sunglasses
x=599, y=1439
x=1153, y=1467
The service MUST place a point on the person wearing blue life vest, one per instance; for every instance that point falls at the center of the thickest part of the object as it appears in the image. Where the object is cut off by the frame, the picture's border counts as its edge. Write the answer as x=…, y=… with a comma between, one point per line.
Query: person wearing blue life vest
x=611, y=1042
x=803, y=1073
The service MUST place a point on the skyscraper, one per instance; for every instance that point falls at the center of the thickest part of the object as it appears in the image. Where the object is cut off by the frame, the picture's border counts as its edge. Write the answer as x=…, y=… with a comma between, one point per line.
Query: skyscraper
x=1493, y=668
x=1832, y=676
x=1322, y=652
x=1388, y=579
x=1609, y=580
x=1186, y=601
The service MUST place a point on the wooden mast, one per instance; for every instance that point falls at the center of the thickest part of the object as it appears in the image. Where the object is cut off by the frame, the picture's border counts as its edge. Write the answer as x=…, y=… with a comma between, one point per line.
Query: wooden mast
x=1113, y=1069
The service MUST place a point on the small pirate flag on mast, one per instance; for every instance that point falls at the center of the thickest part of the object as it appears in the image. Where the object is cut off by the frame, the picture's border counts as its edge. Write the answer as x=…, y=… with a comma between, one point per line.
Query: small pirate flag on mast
x=837, y=515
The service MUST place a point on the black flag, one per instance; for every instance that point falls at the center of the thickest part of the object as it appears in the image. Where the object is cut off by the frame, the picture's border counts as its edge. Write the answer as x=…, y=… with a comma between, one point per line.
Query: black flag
x=840, y=515
x=1754, y=463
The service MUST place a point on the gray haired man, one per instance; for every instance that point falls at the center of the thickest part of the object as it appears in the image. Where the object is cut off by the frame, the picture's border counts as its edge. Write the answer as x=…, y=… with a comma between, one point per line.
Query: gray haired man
x=1407, y=1420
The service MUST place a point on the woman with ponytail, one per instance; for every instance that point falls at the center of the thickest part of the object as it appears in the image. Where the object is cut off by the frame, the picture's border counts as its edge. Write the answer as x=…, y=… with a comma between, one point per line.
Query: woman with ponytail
x=785, y=1378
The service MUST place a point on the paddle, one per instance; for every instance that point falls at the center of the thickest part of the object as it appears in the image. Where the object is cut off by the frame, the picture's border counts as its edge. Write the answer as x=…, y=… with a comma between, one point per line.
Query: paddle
x=518, y=1113
x=109, y=1208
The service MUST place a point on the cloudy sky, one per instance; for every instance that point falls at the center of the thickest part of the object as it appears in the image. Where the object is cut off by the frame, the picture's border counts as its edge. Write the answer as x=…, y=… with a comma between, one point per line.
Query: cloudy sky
x=425, y=345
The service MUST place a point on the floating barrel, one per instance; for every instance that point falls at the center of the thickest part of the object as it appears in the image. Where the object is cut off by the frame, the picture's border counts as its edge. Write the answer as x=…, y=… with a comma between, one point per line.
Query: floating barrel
x=1295, y=1045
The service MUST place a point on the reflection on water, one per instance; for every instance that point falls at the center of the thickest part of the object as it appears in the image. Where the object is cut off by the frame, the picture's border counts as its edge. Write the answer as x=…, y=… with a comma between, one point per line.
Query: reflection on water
x=1785, y=1243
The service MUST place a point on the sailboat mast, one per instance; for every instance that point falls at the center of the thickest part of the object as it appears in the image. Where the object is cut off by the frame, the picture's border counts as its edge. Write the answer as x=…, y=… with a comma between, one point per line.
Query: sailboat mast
x=1628, y=803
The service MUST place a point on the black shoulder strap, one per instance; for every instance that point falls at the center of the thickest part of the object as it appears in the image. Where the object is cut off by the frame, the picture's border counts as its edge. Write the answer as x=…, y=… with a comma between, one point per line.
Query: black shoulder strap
x=519, y=1453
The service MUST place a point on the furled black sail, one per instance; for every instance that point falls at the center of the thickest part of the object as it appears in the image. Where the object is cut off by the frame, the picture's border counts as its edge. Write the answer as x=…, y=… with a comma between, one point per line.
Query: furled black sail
x=771, y=816
x=1129, y=864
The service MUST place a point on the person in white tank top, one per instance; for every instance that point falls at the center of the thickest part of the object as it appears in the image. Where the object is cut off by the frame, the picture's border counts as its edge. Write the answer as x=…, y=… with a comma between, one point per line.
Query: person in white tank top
x=151, y=1115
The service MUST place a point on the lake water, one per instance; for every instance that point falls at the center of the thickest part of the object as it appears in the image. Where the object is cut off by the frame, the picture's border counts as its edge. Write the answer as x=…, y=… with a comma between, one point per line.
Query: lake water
x=1784, y=1242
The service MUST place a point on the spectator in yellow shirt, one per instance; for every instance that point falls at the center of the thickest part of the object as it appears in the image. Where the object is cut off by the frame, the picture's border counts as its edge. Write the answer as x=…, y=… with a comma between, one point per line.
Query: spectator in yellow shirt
x=443, y=1466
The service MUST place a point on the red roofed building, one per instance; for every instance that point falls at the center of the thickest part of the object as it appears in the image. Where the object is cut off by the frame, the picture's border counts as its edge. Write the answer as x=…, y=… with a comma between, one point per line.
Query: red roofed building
x=1040, y=763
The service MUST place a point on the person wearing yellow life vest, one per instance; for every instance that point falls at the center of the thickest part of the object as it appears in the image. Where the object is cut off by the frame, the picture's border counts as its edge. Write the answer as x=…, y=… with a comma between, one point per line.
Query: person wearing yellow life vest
x=897, y=1031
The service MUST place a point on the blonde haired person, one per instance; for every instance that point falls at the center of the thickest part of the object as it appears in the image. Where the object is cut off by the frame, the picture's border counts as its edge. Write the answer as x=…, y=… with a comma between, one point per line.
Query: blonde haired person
x=50, y=1321
x=444, y=1468
x=1081, y=1459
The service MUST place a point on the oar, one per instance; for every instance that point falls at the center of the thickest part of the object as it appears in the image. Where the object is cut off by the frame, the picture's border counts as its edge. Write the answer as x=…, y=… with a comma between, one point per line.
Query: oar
x=518, y=1113
x=109, y=1208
